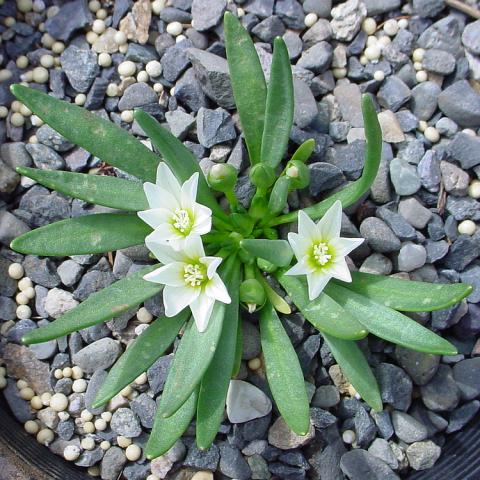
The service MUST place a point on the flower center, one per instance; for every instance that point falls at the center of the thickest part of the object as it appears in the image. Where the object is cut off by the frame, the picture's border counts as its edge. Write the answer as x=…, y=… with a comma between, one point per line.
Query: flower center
x=321, y=253
x=194, y=274
x=181, y=221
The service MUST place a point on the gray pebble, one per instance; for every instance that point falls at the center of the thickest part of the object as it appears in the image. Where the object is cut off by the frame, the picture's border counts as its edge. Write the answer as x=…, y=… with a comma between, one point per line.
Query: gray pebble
x=214, y=126
x=125, y=422
x=423, y=455
x=466, y=376
x=407, y=428
x=461, y=104
x=411, y=257
x=80, y=66
x=44, y=157
x=112, y=463
x=99, y=355
x=359, y=464
x=441, y=393
x=414, y=212
x=404, y=177
x=379, y=236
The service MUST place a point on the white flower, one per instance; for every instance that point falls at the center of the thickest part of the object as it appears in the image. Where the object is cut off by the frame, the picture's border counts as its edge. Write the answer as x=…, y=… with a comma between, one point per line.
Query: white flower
x=190, y=279
x=174, y=214
x=320, y=250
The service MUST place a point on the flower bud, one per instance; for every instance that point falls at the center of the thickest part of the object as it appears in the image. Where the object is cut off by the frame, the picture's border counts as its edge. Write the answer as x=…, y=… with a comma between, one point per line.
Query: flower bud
x=266, y=266
x=262, y=176
x=246, y=257
x=252, y=292
x=270, y=233
x=222, y=177
x=298, y=173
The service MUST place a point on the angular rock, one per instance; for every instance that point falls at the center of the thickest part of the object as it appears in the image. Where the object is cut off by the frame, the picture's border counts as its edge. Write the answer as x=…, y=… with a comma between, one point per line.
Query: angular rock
x=125, y=422
x=424, y=100
x=246, y=402
x=99, y=355
x=214, y=126
x=438, y=61
x=407, y=428
x=280, y=436
x=465, y=149
x=347, y=18
x=207, y=13
x=45, y=157
x=72, y=16
x=461, y=104
x=393, y=93
x=414, y=212
x=360, y=464
x=423, y=455
x=441, y=394
x=379, y=236
x=466, y=377
x=80, y=66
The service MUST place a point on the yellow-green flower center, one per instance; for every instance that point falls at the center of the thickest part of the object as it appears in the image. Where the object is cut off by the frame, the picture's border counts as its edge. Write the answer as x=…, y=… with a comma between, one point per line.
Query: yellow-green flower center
x=194, y=274
x=321, y=253
x=182, y=221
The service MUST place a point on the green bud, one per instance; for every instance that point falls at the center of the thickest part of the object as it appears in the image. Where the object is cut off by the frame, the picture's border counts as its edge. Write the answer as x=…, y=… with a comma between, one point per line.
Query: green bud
x=266, y=266
x=246, y=257
x=222, y=177
x=262, y=176
x=270, y=233
x=279, y=195
x=258, y=208
x=252, y=292
x=298, y=173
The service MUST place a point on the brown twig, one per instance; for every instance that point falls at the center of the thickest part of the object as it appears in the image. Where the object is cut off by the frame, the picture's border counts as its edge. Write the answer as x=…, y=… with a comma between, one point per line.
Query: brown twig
x=459, y=5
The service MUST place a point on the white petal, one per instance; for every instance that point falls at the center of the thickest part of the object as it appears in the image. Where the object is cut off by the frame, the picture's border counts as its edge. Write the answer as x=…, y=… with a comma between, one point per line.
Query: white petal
x=155, y=216
x=331, y=223
x=343, y=246
x=339, y=269
x=216, y=289
x=202, y=310
x=299, y=244
x=165, y=234
x=212, y=264
x=170, y=274
x=203, y=219
x=167, y=180
x=307, y=228
x=194, y=247
x=176, y=299
x=300, y=268
x=158, y=197
x=164, y=253
x=189, y=191
x=316, y=283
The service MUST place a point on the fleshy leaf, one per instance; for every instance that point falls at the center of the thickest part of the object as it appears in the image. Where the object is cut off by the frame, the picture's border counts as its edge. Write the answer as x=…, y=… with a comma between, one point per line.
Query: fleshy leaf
x=214, y=384
x=238, y=350
x=101, y=138
x=248, y=83
x=284, y=373
x=98, y=233
x=355, y=367
x=278, y=303
x=166, y=431
x=179, y=158
x=304, y=150
x=110, y=192
x=279, y=107
x=140, y=355
x=351, y=193
x=407, y=295
x=390, y=324
x=99, y=307
x=278, y=196
x=323, y=313
x=277, y=252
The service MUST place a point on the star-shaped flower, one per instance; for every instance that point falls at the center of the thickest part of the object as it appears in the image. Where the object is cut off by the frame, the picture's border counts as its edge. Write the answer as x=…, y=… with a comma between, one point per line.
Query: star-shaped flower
x=190, y=279
x=320, y=250
x=174, y=213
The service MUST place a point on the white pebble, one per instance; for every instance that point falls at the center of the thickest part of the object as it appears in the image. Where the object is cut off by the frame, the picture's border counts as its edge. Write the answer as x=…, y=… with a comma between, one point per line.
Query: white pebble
x=384, y=41
x=154, y=68
x=36, y=403
x=339, y=72
x=94, y=6
x=158, y=87
x=24, y=283
x=3, y=112
x=105, y=445
x=80, y=99
x=88, y=443
x=21, y=384
x=418, y=54
x=158, y=6
x=174, y=28
x=371, y=40
x=98, y=26
x=107, y=416
x=127, y=68
x=45, y=436
x=144, y=316
x=421, y=76
x=71, y=453
x=67, y=372
x=3, y=383
x=153, y=477
x=17, y=119
x=38, y=6
x=126, y=392
x=180, y=38
x=379, y=76
x=58, y=47
x=27, y=393
x=5, y=74
x=310, y=19
x=22, y=62
x=391, y=27
x=91, y=37
x=120, y=38
x=86, y=416
x=25, y=6
x=23, y=312
x=369, y=26
x=79, y=386
x=467, y=227
x=123, y=48
x=112, y=90
x=88, y=427
x=133, y=452
x=46, y=61
x=22, y=299
x=139, y=329
x=348, y=436
x=422, y=125
x=402, y=23
x=469, y=131
x=104, y=59
x=29, y=292
x=59, y=402
x=102, y=14
x=141, y=379
x=127, y=116
x=431, y=134
x=142, y=77
x=58, y=373
x=77, y=372
x=46, y=397
x=474, y=189
x=123, y=442
x=63, y=416
x=15, y=271
x=31, y=427
x=100, y=424
x=373, y=52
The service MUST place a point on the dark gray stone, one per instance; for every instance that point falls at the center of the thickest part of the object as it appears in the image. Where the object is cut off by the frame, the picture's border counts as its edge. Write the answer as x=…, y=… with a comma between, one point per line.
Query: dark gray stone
x=96, y=381
x=428, y=170
x=41, y=271
x=408, y=428
x=438, y=61
x=461, y=416
x=44, y=157
x=400, y=227
x=395, y=386
x=188, y=91
x=393, y=93
x=436, y=250
x=20, y=408
x=461, y=103
x=441, y=394
x=71, y=17
x=157, y=373
x=144, y=407
x=125, y=422
x=291, y=12
x=175, y=61
x=384, y=423
x=465, y=374
x=305, y=106
x=49, y=137
x=317, y=58
x=465, y=149
x=203, y=460
x=96, y=94
x=80, y=66
x=471, y=37
x=20, y=328
x=7, y=309
x=99, y=355
x=11, y=227
x=359, y=465
x=321, y=418
x=14, y=154
x=137, y=95
x=207, y=13
x=112, y=463
x=88, y=458
x=463, y=208
x=214, y=126
x=424, y=99
x=379, y=236
x=232, y=464
x=365, y=428
x=268, y=29
x=463, y=251
x=442, y=35
x=428, y=8
x=93, y=281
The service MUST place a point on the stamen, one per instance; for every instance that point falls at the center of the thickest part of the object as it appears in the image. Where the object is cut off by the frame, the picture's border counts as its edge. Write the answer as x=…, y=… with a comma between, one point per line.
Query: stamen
x=194, y=275
x=321, y=253
x=181, y=220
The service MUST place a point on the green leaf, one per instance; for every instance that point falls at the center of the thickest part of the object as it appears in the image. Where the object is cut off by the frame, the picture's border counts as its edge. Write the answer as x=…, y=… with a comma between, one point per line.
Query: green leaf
x=111, y=192
x=279, y=195
x=356, y=189
x=407, y=295
x=304, y=150
x=140, y=355
x=279, y=108
x=98, y=233
x=101, y=138
x=166, y=431
x=356, y=369
x=389, y=324
x=179, y=158
x=195, y=352
x=248, y=84
x=110, y=302
x=238, y=350
x=214, y=384
x=277, y=252
x=278, y=303
x=284, y=373
x=323, y=313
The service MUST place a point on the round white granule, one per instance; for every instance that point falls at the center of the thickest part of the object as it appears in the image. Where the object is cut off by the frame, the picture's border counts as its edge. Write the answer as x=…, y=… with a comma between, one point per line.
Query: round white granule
x=36, y=403
x=46, y=397
x=25, y=6
x=58, y=373
x=88, y=427
x=47, y=61
x=80, y=99
x=120, y=38
x=31, y=427
x=91, y=37
x=3, y=383
x=104, y=59
x=102, y=14
x=27, y=393
x=144, y=316
x=123, y=442
x=15, y=271
x=100, y=424
x=112, y=90
x=379, y=75
x=369, y=26
x=126, y=391
x=174, y=28
x=348, y=436
x=467, y=227
x=88, y=443
x=127, y=116
x=474, y=189
x=133, y=452
x=310, y=19
x=402, y=23
x=59, y=402
x=421, y=76
x=17, y=119
x=105, y=445
x=21, y=384
x=127, y=68
x=373, y=52
x=107, y=416
x=23, y=312
x=67, y=372
x=390, y=27
x=94, y=6
x=418, y=54
x=58, y=47
x=22, y=62
x=141, y=379
x=45, y=436
x=77, y=372
x=254, y=363
x=29, y=292
x=158, y=6
x=86, y=416
x=79, y=386
x=71, y=453
x=3, y=111
x=154, y=68
x=142, y=77
x=431, y=134
x=98, y=26
x=24, y=283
